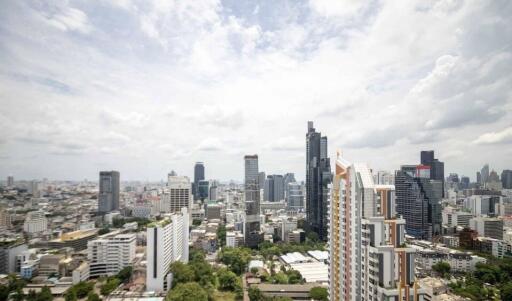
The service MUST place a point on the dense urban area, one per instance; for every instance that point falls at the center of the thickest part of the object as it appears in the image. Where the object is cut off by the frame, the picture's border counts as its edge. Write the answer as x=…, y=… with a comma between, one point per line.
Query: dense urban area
x=410, y=234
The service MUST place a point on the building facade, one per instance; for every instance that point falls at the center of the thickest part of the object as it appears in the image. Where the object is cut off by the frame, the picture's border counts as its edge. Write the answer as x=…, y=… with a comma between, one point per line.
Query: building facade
x=108, y=256
x=318, y=178
x=252, y=231
x=108, y=198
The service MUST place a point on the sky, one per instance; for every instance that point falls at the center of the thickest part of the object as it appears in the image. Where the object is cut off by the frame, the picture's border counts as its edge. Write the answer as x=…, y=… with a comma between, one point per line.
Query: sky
x=146, y=87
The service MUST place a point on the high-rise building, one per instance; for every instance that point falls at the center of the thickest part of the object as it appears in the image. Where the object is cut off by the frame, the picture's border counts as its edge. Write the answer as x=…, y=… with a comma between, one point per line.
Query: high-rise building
x=484, y=173
x=436, y=167
x=9, y=251
x=10, y=181
x=478, y=177
x=178, y=195
x=418, y=200
x=203, y=189
x=288, y=178
x=109, y=255
x=274, y=188
x=252, y=233
x=318, y=178
x=464, y=182
x=167, y=242
x=5, y=219
x=295, y=200
x=506, y=179
x=198, y=176
x=108, y=198
x=261, y=179
x=35, y=222
x=368, y=259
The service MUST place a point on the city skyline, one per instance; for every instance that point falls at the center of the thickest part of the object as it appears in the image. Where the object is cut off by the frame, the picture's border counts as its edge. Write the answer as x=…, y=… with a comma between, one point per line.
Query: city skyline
x=100, y=86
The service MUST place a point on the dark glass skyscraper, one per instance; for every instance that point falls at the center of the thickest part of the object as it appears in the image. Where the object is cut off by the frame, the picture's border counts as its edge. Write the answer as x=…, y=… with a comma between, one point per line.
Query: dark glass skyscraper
x=506, y=179
x=436, y=167
x=198, y=176
x=418, y=201
x=318, y=177
x=108, y=198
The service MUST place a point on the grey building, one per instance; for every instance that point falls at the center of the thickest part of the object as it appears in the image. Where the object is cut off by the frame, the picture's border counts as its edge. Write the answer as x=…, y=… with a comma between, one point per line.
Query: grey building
x=418, y=201
x=8, y=253
x=484, y=174
x=506, y=179
x=261, y=179
x=318, y=178
x=198, y=176
x=274, y=188
x=436, y=167
x=108, y=198
x=203, y=189
x=252, y=231
x=295, y=200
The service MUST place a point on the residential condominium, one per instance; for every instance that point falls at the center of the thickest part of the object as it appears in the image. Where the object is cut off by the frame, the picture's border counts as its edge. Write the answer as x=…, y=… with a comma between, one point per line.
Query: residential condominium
x=35, y=222
x=179, y=194
x=368, y=259
x=109, y=255
x=167, y=242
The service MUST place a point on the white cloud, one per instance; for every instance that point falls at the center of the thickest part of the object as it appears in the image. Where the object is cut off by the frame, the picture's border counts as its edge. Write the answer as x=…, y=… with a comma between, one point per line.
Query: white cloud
x=500, y=137
x=69, y=19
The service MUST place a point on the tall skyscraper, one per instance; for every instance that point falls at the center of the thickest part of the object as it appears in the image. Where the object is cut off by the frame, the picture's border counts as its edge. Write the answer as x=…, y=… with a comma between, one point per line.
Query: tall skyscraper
x=274, y=188
x=418, y=200
x=167, y=242
x=261, y=179
x=108, y=198
x=198, y=176
x=436, y=167
x=368, y=259
x=506, y=179
x=318, y=178
x=288, y=178
x=252, y=231
x=484, y=173
x=10, y=181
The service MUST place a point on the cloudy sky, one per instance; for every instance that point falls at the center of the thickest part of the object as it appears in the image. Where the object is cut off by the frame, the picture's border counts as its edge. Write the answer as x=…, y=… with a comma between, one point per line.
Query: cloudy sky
x=145, y=87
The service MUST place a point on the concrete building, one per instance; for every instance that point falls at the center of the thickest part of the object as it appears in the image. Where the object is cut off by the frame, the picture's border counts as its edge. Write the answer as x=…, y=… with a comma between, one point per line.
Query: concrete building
x=35, y=222
x=483, y=204
x=252, y=231
x=10, y=181
x=109, y=255
x=178, y=196
x=487, y=226
x=274, y=188
x=108, y=197
x=460, y=262
x=295, y=197
x=5, y=219
x=9, y=250
x=167, y=242
x=198, y=176
x=368, y=258
x=213, y=211
x=76, y=239
x=234, y=239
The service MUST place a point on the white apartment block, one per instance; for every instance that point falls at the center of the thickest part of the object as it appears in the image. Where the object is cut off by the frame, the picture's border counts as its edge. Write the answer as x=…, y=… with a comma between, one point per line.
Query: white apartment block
x=177, y=195
x=81, y=273
x=234, y=239
x=459, y=261
x=35, y=222
x=167, y=242
x=368, y=259
x=109, y=255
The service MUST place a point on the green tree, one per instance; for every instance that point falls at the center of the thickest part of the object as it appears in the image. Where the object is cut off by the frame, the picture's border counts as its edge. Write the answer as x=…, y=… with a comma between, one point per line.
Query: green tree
x=442, y=268
x=318, y=293
x=196, y=222
x=110, y=286
x=181, y=272
x=92, y=296
x=104, y=230
x=294, y=277
x=18, y=295
x=254, y=270
x=125, y=274
x=32, y=295
x=82, y=288
x=506, y=292
x=228, y=280
x=45, y=294
x=236, y=259
x=4, y=292
x=221, y=235
x=255, y=294
x=71, y=295
x=190, y=291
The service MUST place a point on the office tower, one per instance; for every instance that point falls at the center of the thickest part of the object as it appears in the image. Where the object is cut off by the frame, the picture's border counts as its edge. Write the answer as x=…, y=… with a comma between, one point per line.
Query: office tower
x=252, y=231
x=288, y=178
x=35, y=222
x=10, y=181
x=274, y=188
x=178, y=195
x=213, y=195
x=478, y=177
x=108, y=256
x=295, y=199
x=436, y=167
x=108, y=198
x=203, y=189
x=506, y=179
x=464, y=182
x=318, y=178
x=167, y=242
x=198, y=176
x=261, y=179
x=384, y=178
x=418, y=201
x=487, y=226
x=368, y=259
x=484, y=174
